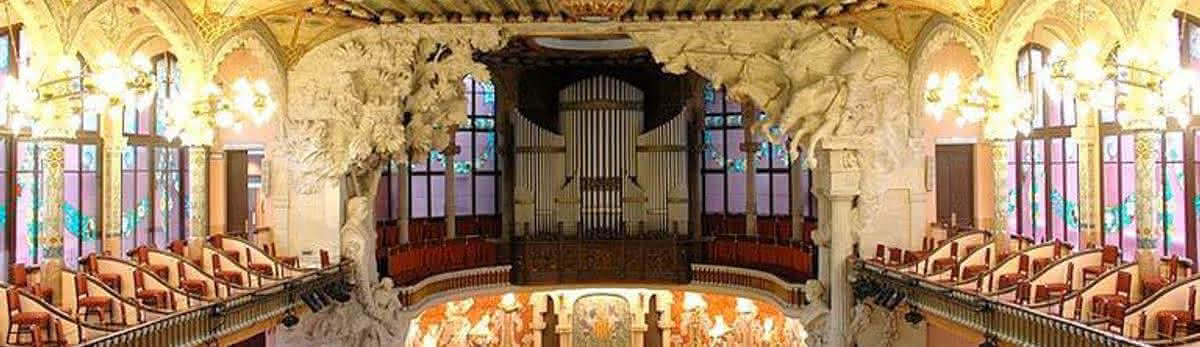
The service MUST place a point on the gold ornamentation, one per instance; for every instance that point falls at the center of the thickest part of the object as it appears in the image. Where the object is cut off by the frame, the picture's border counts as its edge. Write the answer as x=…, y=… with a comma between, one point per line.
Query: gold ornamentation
x=594, y=10
x=213, y=25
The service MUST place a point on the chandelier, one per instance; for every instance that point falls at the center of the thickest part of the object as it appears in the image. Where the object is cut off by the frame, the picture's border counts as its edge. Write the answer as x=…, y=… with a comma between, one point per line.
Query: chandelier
x=976, y=102
x=1144, y=90
x=594, y=10
x=193, y=119
x=50, y=108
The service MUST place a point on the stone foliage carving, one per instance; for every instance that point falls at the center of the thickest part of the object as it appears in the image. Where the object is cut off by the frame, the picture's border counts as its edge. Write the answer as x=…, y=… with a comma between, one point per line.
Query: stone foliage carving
x=380, y=94
x=374, y=317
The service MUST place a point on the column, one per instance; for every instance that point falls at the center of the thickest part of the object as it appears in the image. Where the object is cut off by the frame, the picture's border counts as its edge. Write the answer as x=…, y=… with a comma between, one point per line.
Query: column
x=1000, y=197
x=836, y=183
x=695, y=154
x=50, y=237
x=1087, y=135
x=799, y=200
x=197, y=200
x=450, y=208
x=749, y=148
x=114, y=148
x=405, y=210
x=1145, y=144
x=507, y=82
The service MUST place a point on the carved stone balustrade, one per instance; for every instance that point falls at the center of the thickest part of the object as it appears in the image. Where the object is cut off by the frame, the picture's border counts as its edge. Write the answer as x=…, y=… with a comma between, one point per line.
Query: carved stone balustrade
x=455, y=282
x=791, y=295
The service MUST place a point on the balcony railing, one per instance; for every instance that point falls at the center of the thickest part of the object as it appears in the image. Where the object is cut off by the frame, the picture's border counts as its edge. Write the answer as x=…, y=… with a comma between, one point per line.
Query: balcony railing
x=1005, y=321
x=204, y=324
x=790, y=294
x=453, y=282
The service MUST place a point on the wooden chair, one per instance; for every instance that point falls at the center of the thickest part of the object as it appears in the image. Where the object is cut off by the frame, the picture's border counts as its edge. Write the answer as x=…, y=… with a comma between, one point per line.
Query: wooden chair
x=87, y=304
x=1114, y=317
x=93, y=267
x=1022, y=294
x=1120, y=296
x=1057, y=290
x=1159, y=281
x=20, y=279
x=927, y=244
x=226, y=275
x=953, y=276
x=971, y=271
x=178, y=247
x=289, y=260
x=1172, y=321
x=947, y=262
x=325, y=259
x=153, y=297
x=197, y=287
x=1108, y=259
x=1008, y=279
x=1040, y=263
x=266, y=269
x=880, y=253
x=142, y=255
x=28, y=323
x=218, y=242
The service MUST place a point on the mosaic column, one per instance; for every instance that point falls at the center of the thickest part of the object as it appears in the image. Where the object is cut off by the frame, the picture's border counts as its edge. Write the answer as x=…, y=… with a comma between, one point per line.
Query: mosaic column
x=50, y=237
x=749, y=148
x=114, y=148
x=197, y=206
x=1086, y=136
x=1149, y=234
x=1000, y=197
x=451, y=207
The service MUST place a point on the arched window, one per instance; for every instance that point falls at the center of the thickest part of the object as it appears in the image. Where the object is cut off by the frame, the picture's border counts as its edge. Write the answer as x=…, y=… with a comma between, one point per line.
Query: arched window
x=1044, y=165
x=152, y=168
x=724, y=172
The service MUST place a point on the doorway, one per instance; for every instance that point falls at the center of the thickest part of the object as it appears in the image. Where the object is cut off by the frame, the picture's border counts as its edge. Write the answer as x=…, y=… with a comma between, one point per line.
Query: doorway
x=955, y=184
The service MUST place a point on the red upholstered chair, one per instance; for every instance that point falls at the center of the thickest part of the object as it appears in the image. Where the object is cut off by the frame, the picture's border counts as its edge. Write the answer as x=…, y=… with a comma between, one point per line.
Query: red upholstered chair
x=142, y=255
x=325, y=259
x=1172, y=321
x=218, y=242
x=880, y=253
x=1041, y=263
x=1022, y=273
x=1056, y=290
x=1022, y=294
x=290, y=260
x=153, y=297
x=947, y=262
x=226, y=275
x=266, y=269
x=1114, y=317
x=178, y=247
x=1108, y=259
x=926, y=245
x=20, y=279
x=895, y=256
x=193, y=286
x=971, y=271
x=28, y=323
x=1120, y=296
x=953, y=276
x=87, y=304
x=1154, y=284
x=93, y=267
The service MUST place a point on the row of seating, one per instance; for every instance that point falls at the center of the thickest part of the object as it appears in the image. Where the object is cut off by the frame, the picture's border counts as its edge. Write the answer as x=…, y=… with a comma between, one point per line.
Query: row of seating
x=412, y=262
x=791, y=260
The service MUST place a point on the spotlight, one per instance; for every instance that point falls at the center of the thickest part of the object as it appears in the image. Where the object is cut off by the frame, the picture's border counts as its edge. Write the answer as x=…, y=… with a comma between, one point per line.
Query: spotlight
x=290, y=320
x=989, y=341
x=312, y=301
x=895, y=300
x=337, y=292
x=883, y=296
x=913, y=317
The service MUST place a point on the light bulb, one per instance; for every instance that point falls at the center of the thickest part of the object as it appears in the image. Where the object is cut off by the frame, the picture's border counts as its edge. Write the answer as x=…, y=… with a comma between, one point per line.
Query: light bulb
x=224, y=118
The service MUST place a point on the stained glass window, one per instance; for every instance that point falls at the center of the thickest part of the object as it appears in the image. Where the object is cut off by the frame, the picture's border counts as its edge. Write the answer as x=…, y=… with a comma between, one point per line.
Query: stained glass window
x=135, y=197
x=169, y=174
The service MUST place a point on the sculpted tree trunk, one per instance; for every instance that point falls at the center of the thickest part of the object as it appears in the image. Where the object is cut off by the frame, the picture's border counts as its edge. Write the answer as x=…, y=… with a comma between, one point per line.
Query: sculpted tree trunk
x=358, y=232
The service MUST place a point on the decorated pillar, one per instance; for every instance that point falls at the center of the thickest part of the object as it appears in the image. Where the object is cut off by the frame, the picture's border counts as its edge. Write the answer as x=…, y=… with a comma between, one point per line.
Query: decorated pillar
x=749, y=148
x=450, y=205
x=1145, y=144
x=999, y=227
x=695, y=154
x=114, y=148
x=197, y=203
x=506, y=81
x=50, y=237
x=1087, y=136
x=836, y=184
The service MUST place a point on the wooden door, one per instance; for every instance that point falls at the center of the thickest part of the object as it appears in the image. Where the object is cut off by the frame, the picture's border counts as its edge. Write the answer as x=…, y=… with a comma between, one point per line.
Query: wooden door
x=237, y=205
x=956, y=183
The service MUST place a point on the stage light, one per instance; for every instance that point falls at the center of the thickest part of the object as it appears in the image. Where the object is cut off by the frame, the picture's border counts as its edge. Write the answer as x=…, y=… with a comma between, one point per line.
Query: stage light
x=913, y=317
x=290, y=320
x=989, y=341
x=314, y=304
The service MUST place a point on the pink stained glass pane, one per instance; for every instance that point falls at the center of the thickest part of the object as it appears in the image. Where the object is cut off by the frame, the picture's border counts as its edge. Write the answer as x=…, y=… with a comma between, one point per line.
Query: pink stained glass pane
x=712, y=100
x=1038, y=186
x=1175, y=210
x=736, y=183
x=714, y=151
x=484, y=157
x=71, y=234
x=1072, y=195
x=143, y=209
x=714, y=193
x=1128, y=230
x=1069, y=111
x=1054, y=112
x=485, y=195
x=1026, y=175
x=419, y=201
x=1126, y=148
x=762, y=199
x=781, y=195
x=463, y=197
x=1058, y=202
x=71, y=157
x=90, y=206
x=1012, y=198
x=732, y=106
x=437, y=196
x=1111, y=213
x=128, y=210
x=27, y=188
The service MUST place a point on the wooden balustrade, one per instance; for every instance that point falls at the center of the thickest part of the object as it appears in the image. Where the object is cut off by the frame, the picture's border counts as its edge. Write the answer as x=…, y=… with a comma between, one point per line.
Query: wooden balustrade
x=772, y=227
x=1012, y=324
x=212, y=321
x=413, y=262
x=791, y=294
x=792, y=260
x=452, y=282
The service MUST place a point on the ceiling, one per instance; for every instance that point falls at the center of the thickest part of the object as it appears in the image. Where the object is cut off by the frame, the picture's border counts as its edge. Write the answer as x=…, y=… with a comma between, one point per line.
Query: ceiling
x=299, y=25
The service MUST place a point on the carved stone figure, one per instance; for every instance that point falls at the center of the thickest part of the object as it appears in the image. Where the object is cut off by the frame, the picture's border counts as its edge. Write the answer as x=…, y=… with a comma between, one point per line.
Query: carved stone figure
x=507, y=320
x=814, y=293
x=747, y=330
x=695, y=322
x=357, y=236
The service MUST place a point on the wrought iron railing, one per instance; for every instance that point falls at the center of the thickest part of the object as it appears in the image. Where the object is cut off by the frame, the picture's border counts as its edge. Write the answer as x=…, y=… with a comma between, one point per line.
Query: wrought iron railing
x=1002, y=320
x=205, y=324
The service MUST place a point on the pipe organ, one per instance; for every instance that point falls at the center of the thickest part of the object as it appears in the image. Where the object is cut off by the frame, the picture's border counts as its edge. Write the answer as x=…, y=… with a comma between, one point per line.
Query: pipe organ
x=603, y=177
